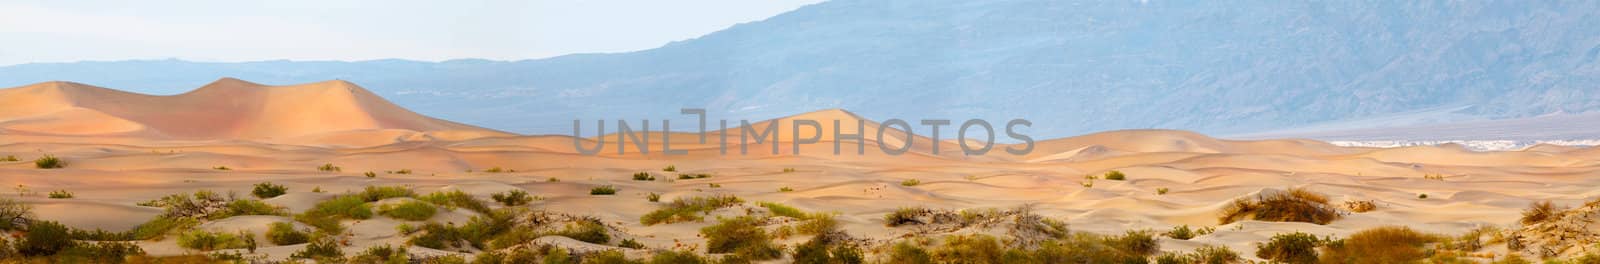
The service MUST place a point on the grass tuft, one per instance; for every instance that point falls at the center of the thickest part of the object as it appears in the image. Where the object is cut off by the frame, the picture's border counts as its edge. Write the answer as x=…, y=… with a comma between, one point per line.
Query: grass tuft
x=1294, y=205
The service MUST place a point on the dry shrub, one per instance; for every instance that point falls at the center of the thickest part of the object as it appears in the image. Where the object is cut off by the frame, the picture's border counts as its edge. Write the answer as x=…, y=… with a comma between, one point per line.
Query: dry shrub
x=1294, y=205
x=1294, y=248
x=1389, y=244
x=1538, y=212
x=1360, y=206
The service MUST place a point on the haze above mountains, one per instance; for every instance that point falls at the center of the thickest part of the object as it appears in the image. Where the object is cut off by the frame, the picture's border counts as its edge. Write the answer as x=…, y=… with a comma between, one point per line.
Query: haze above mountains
x=1071, y=67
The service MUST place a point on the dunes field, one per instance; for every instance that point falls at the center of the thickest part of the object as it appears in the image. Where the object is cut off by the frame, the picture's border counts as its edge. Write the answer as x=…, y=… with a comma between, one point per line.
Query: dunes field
x=125, y=152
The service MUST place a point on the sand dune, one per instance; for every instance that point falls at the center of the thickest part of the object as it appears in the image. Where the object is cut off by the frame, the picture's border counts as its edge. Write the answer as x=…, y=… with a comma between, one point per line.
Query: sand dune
x=123, y=150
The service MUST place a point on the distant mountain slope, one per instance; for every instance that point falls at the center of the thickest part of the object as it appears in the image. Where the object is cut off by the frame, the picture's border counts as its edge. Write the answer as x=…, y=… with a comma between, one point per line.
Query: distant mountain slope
x=1070, y=66
x=227, y=109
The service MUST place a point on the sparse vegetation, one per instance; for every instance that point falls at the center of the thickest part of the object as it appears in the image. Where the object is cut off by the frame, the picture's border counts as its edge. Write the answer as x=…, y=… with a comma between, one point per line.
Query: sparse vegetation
x=10, y=158
x=328, y=167
x=714, y=185
x=603, y=190
x=409, y=210
x=1162, y=191
x=630, y=243
x=497, y=170
x=1390, y=244
x=370, y=174
x=1360, y=206
x=378, y=193
x=1437, y=177
x=643, y=176
x=1181, y=232
x=785, y=189
x=383, y=254
x=321, y=249
x=208, y=241
x=247, y=207
x=402, y=171
x=326, y=214
x=741, y=236
x=283, y=233
x=1294, y=205
x=1292, y=248
x=60, y=194
x=512, y=197
x=1423, y=196
x=456, y=198
x=1207, y=254
x=670, y=168
x=1538, y=212
x=691, y=209
x=688, y=176
x=49, y=162
x=653, y=197
x=266, y=190
x=788, y=170
x=1116, y=175
x=910, y=182
x=221, y=168
x=13, y=209
x=586, y=231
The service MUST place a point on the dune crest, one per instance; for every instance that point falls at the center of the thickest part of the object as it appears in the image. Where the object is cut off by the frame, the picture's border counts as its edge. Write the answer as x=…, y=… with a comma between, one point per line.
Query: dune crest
x=227, y=109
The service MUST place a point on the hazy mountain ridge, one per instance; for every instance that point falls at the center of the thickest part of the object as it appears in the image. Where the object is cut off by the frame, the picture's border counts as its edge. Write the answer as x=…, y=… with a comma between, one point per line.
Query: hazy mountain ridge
x=1071, y=67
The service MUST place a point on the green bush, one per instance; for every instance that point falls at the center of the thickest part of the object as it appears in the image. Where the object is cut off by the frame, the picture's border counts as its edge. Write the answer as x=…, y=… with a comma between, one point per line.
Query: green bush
x=742, y=236
x=1207, y=254
x=969, y=248
x=208, y=241
x=779, y=209
x=377, y=193
x=905, y=252
x=1139, y=242
x=817, y=251
x=1181, y=232
x=690, y=209
x=512, y=198
x=60, y=194
x=586, y=231
x=283, y=233
x=903, y=216
x=1292, y=248
x=603, y=190
x=49, y=162
x=630, y=243
x=643, y=176
x=382, y=254
x=325, y=215
x=44, y=238
x=409, y=210
x=266, y=190
x=456, y=198
x=322, y=249
x=248, y=207
x=1116, y=175
x=437, y=236
x=162, y=225
x=607, y=257
x=329, y=168
x=99, y=252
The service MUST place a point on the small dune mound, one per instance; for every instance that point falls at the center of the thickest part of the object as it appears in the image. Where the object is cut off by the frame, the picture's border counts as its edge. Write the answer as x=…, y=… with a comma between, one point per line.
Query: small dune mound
x=1294, y=205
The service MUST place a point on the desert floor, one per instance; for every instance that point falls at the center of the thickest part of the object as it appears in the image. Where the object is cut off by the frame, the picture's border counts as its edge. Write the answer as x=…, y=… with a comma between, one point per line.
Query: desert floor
x=110, y=177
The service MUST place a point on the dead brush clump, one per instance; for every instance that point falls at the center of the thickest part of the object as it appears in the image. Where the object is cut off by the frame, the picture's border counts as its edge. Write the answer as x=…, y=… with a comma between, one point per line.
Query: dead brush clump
x=1294, y=205
x=1389, y=244
x=1548, y=231
x=1029, y=230
x=1539, y=212
x=1360, y=206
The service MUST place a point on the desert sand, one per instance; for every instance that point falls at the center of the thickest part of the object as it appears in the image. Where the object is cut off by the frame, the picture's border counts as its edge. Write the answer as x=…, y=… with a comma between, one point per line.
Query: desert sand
x=123, y=149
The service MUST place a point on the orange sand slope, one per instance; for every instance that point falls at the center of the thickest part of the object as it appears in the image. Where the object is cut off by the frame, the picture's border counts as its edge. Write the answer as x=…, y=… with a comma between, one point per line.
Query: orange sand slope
x=227, y=109
x=124, y=149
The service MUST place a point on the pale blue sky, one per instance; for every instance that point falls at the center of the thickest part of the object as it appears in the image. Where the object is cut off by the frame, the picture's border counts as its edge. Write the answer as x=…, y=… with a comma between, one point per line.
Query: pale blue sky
x=64, y=31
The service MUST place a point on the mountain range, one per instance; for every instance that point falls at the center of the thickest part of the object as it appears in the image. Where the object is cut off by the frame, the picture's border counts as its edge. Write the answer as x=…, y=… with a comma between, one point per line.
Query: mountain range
x=1072, y=67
